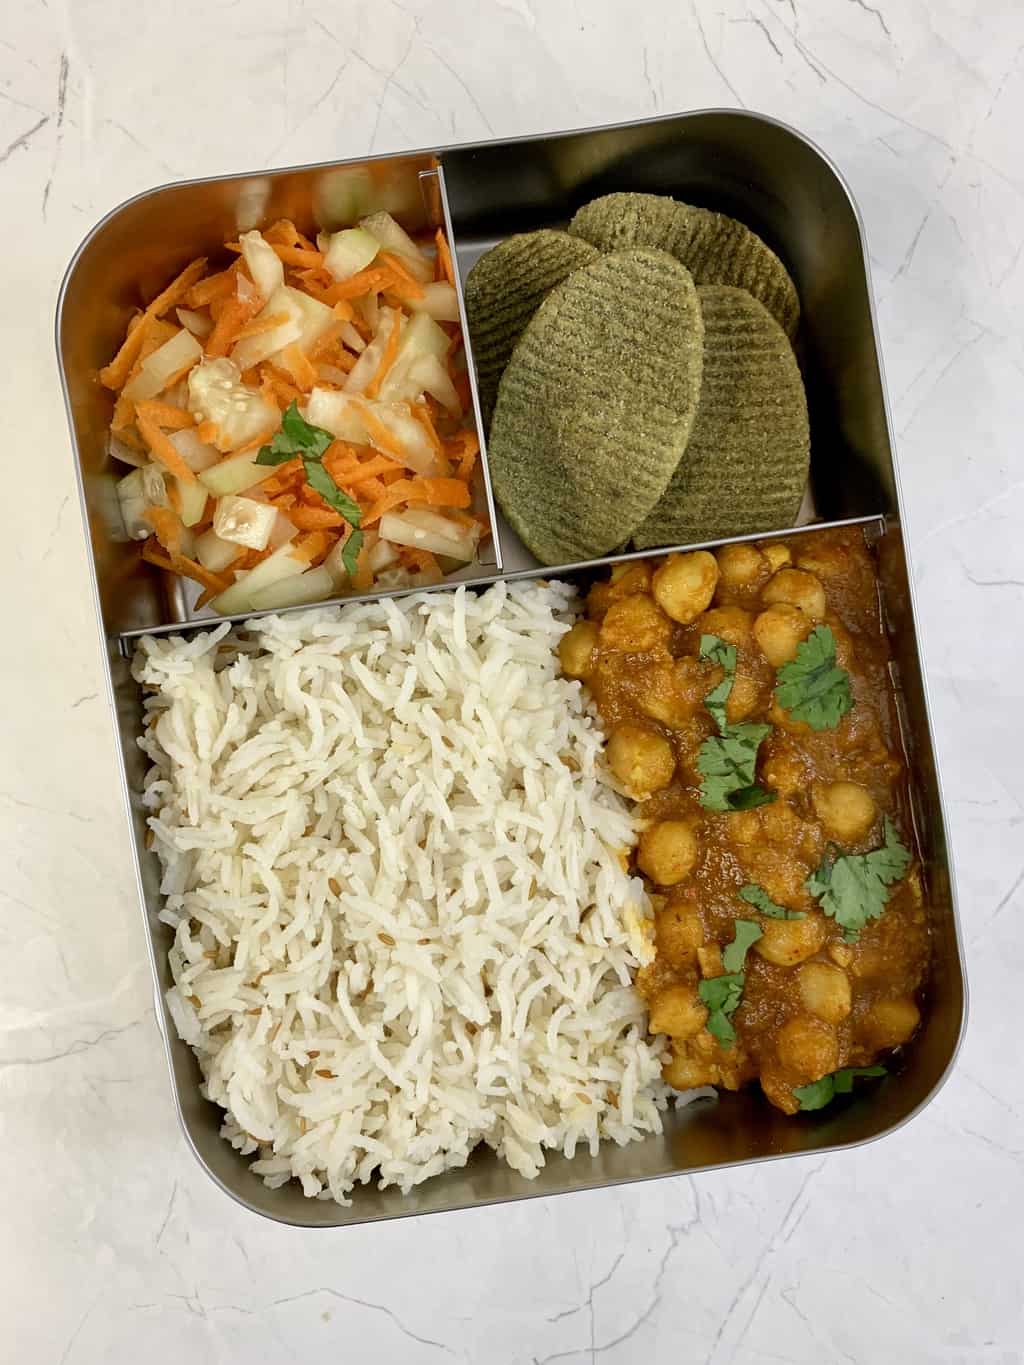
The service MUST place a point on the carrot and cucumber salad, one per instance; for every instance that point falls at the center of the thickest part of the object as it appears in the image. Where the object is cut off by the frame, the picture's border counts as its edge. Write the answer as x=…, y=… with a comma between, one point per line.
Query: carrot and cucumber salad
x=297, y=421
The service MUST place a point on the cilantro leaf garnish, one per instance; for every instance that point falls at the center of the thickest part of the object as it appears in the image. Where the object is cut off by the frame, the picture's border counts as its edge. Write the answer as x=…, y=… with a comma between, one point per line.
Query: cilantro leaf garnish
x=350, y=552
x=811, y=687
x=745, y=934
x=711, y=647
x=295, y=437
x=727, y=760
x=854, y=888
x=321, y=482
x=759, y=898
x=819, y=1093
x=722, y=995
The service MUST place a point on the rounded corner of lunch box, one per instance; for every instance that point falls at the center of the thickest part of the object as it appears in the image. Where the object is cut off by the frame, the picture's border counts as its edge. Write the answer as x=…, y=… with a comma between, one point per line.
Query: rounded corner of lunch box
x=94, y=234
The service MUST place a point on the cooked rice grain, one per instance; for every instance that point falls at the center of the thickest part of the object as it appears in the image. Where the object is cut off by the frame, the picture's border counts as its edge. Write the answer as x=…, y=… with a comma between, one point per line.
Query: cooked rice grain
x=401, y=926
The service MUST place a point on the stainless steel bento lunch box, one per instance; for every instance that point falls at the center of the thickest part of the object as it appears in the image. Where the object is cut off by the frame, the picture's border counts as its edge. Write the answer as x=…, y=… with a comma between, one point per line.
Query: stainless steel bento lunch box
x=742, y=164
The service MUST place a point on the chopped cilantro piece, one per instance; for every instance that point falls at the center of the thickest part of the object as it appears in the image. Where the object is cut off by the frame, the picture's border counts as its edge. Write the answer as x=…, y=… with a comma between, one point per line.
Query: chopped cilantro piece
x=722, y=995
x=727, y=762
x=854, y=888
x=819, y=1093
x=759, y=898
x=810, y=687
x=745, y=935
x=295, y=437
x=350, y=552
x=717, y=651
x=321, y=482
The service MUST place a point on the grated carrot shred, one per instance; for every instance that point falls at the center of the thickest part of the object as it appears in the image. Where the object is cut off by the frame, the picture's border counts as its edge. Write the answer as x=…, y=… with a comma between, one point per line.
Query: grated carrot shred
x=299, y=366
x=282, y=233
x=422, y=414
x=315, y=518
x=177, y=289
x=260, y=325
x=157, y=557
x=218, y=286
x=166, y=415
x=114, y=375
x=163, y=451
x=189, y=568
x=421, y=560
x=436, y=492
x=387, y=357
x=327, y=338
x=311, y=545
x=369, y=281
x=298, y=255
x=167, y=526
x=403, y=275
x=233, y=317
x=380, y=434
x=444, y=258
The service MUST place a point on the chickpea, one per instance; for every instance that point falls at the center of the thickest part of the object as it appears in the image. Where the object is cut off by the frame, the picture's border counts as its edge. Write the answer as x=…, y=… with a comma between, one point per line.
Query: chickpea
x=745, y=828
x=627, y=579
x=785, y=773
x=709, y=959
x=743, y=699
x=782, y=720
x=576, y=649
x=784, y=827
x=641, y=759
x=888, y=1023
x=731, y=624
x=685, y=1072
x=636, y=625
x=781, y=873
x=678, y=933
x=825, y=991
x=846, y=810
x=668, y=851
x=841, y=954
x=740, y=567
x=799, y=589
x=779, y=631
x=776, y=554
x=779, y=1092
x=785, y=942
x=685, y=584
x=663, y=695
x=807, y=1048
x=678, y=1012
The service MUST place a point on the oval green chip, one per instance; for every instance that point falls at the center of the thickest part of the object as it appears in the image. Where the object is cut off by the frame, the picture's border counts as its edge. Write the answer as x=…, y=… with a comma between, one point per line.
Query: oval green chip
x=745, y=467
x=504, y=290
x=597, y=404
x=714, y=248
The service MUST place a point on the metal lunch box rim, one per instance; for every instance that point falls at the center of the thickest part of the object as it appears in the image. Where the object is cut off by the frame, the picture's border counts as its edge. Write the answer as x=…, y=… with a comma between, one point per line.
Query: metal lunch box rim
x=499, y=576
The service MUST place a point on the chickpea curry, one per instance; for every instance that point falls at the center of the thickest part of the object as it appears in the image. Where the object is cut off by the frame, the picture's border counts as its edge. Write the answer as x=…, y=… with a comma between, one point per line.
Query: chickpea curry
x=749, y=711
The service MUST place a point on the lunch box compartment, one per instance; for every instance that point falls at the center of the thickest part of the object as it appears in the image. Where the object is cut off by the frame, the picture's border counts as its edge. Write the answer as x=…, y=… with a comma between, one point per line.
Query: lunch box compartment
x=143, y=244
x=772, y=180
x=745, y=165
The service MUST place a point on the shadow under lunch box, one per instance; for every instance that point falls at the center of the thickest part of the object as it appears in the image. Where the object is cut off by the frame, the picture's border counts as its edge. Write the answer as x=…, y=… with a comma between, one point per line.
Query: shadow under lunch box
x=779, y=184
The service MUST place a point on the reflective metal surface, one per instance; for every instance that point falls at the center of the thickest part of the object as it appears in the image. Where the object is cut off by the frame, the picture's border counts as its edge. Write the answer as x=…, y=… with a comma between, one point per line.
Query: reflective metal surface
x=751, y=167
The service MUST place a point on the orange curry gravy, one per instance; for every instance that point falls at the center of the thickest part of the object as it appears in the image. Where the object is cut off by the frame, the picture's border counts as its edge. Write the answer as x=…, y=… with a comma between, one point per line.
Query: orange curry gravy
x=812, y=1003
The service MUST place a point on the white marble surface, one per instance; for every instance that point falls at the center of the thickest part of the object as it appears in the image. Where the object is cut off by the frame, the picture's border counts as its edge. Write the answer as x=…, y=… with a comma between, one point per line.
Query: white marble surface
x=114, y=1246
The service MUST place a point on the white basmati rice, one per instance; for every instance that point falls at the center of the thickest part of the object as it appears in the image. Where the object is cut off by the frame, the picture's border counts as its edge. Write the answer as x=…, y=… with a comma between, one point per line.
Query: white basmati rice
x=402, y=925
